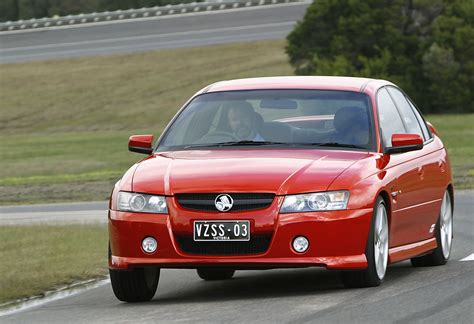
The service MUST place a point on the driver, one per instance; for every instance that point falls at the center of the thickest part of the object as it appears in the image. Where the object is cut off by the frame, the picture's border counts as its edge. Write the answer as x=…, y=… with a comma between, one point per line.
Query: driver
x=243, y=122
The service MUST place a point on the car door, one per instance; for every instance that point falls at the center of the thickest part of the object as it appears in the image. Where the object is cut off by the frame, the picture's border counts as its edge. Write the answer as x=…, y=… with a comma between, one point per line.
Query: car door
x=429, y=166
x=435, y=167
x=404, y=168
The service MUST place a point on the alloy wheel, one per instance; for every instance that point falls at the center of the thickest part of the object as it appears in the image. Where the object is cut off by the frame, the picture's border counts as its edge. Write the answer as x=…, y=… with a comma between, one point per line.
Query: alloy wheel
x=446, y=225
x=381, y=241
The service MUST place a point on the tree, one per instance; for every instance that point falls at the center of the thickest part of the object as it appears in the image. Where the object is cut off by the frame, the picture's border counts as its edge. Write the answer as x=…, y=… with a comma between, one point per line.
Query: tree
x=448, y=63
x=9, y=10
x=421, y=45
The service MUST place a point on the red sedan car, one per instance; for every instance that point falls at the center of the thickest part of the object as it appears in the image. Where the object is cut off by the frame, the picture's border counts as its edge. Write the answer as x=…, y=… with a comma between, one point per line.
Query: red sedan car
x=334, y=172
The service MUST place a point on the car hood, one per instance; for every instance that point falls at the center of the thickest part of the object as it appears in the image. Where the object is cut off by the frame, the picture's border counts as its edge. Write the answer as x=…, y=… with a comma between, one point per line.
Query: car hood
x=235, y=170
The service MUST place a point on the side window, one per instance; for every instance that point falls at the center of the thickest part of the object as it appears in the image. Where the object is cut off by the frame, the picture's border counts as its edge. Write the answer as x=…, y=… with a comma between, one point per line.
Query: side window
x=424, y=128
x=390, y=120
x=411, y=122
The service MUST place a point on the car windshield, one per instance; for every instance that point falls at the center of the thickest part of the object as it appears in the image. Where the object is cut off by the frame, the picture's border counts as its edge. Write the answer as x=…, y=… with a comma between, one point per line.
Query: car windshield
x=339, y=119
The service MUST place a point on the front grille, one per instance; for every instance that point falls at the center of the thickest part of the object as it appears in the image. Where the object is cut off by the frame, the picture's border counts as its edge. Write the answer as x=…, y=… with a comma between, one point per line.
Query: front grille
x=242, y=201
x=256, y=245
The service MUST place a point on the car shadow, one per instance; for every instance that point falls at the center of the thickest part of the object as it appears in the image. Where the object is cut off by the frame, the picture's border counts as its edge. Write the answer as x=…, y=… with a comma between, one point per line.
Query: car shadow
x=254, y=284
x=270, y=284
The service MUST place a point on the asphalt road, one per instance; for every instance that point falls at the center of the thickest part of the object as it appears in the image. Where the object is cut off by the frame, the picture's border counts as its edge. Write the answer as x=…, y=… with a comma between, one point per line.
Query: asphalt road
x=186, y=30
x=60, y=214
x=433, y=294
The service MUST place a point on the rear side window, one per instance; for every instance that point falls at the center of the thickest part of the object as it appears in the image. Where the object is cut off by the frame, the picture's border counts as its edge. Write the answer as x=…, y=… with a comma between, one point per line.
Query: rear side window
x=411, y=122
x=424, y=128
x=390, y=120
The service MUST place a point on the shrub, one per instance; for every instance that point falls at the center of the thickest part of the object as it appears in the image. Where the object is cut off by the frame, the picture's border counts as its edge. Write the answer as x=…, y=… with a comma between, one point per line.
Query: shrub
x=425, y=46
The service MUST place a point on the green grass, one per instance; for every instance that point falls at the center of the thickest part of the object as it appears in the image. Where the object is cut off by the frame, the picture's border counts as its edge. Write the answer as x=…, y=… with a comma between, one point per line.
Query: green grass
x=64, y=124
x=131, y=92
x=457, y=134
x=39, y=258
x=62, y=167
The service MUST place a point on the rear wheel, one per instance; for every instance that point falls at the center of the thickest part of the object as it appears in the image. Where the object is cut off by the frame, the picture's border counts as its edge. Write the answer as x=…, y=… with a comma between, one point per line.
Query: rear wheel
x=136, y=285
x=444, y=236
x=376, y=252
x=215, y=273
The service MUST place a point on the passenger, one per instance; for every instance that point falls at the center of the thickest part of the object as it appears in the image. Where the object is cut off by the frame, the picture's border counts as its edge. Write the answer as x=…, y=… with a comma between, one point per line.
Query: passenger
x=351, y=126
x=242, y=121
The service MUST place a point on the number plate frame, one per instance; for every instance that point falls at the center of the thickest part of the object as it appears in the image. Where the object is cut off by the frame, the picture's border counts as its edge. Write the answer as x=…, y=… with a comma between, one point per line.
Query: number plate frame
x=229, y=223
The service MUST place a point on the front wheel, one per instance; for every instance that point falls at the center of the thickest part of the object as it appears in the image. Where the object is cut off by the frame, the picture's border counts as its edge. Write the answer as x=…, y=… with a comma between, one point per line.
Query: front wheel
x=376, y=252
x=444, y=236
x=136, y=285
x=215, y=273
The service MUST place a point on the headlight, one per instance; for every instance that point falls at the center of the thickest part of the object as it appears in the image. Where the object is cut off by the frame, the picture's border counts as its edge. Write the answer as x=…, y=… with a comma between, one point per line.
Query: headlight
x=330, y=200
x=141, y=203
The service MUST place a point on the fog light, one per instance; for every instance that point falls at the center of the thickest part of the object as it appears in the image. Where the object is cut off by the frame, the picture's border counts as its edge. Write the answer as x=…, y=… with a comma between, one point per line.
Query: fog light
x=300, y=244
x=149, y=244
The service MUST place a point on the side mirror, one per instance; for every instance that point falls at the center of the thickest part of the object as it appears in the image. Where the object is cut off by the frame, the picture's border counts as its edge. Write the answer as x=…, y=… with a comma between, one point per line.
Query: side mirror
x=405, y=143
x=141, y=144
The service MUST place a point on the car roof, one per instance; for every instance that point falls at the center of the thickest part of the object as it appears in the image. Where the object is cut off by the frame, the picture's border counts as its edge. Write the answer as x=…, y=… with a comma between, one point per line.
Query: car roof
x=297, y=82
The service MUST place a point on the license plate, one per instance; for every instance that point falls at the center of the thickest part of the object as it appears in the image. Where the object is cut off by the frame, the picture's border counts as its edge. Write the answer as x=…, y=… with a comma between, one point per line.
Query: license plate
x=221, y=230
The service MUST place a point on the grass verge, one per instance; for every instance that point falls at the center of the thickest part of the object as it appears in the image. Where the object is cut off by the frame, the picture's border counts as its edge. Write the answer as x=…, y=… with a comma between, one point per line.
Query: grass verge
x=76, y=166
x=457, y=133
x=64, y=124
x=39, y=258
x=117, y=92
x=84, y=166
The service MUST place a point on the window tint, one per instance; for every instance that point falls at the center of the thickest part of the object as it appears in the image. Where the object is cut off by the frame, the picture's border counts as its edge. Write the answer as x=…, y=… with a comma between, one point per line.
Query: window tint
x=411, y=122
x=424, y=128
x=390, y=120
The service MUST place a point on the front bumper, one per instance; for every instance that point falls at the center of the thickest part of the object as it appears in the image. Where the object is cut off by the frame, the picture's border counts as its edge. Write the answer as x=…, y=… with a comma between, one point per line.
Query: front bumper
x=337, y=241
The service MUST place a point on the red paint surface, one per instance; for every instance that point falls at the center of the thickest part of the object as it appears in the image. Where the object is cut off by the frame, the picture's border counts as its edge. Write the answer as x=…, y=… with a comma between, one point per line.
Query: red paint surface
x=406, y=140
x=337, y=239
x=143, y=141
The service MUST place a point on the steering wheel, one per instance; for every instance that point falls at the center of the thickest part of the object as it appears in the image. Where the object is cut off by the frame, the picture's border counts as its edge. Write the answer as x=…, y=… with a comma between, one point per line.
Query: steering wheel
x=219, y=136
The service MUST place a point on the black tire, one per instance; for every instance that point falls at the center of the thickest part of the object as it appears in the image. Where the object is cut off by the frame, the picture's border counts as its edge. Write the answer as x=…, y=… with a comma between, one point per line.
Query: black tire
x=136, y=285
x=435, y=257
x=215, y=273
x=367, y=277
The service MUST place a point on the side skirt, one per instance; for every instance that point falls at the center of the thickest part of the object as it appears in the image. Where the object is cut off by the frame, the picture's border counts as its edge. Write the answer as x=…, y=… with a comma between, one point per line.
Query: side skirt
x=411, y=250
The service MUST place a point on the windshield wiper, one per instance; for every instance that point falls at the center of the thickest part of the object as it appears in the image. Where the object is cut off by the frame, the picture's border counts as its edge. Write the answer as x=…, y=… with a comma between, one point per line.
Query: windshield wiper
x=256, y=143
x=237, y=143
x=333, y=144
x=234, y=143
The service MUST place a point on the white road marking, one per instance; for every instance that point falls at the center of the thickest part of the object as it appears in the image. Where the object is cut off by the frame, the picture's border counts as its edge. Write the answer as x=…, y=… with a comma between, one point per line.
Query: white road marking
x=144, y=37
x=470, y=257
